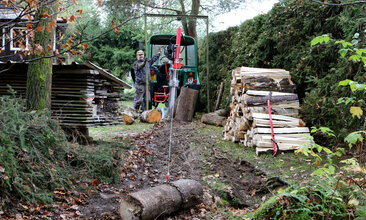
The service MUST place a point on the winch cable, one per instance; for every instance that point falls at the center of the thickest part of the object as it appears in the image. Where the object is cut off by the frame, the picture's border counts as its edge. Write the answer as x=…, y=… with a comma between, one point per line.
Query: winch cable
x=174, y=76
x=170, y=144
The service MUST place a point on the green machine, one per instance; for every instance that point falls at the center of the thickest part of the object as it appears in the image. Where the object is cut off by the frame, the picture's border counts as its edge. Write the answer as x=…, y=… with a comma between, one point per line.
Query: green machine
x=162, y=77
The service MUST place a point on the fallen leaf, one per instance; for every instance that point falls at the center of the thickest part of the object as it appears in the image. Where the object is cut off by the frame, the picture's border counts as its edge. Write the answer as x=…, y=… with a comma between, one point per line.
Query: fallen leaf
x=253, y=192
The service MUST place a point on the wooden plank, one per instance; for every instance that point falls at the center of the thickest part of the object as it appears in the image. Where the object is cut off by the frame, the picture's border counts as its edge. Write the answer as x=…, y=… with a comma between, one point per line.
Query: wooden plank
x=76, y=71
x=266, y=93
x=276, y=123
x=279, y=140
x=274, y=117
x=253, y=69
x=276, y=111
x=282, y=130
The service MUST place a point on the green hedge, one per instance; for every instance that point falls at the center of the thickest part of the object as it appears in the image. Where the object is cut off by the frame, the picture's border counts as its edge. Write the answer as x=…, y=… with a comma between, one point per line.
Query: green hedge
x=281, y=39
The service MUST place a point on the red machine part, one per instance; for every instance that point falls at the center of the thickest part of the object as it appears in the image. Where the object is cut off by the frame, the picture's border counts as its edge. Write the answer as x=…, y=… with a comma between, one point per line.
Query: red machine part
x=177, y=63
x=166, y=70
x=161, y=96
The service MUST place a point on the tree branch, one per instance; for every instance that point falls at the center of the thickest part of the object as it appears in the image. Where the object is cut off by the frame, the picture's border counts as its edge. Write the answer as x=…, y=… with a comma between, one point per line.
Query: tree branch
x=339, y=4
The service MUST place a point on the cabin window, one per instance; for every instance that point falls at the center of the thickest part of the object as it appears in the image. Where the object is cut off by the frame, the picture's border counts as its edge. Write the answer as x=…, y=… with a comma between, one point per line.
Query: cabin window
x=19, y=39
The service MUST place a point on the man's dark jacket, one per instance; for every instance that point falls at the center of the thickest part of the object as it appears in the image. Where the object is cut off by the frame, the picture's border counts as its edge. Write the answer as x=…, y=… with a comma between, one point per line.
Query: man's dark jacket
x=140, y=69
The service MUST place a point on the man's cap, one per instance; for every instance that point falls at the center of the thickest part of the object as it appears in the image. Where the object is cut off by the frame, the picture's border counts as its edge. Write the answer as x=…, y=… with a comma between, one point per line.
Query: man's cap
x=139, y=52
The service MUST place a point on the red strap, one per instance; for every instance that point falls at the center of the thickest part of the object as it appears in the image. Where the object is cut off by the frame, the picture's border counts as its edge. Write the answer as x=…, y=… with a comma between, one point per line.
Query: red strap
x=177, y=64
x=271, y=123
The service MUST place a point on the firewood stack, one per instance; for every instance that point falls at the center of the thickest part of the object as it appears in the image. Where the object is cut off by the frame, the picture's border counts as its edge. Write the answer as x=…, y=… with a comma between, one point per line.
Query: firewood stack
x=249, y=122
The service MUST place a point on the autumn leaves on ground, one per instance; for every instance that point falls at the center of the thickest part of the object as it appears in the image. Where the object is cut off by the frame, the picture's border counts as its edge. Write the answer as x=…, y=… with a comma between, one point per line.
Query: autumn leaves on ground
x=52, y=178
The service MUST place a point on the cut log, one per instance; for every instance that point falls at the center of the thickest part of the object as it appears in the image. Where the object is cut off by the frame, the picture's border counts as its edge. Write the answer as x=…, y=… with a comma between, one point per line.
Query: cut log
x=218, y=101
x=129, y=115
x=221, y=112
x=127, y=119
x=151, y=116
x=274, y=99
x=161, y=200
x=267, y=93
x=213, y=119
x=186, y=104
x=277, y=123
x=275, y=111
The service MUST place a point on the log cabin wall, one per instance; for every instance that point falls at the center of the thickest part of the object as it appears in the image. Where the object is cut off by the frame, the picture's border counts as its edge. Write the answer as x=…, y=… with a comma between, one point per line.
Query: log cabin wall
x=83, y=95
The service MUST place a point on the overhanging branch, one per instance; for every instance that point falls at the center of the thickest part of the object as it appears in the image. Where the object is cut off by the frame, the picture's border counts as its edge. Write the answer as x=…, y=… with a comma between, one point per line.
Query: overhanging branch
x=339, y=4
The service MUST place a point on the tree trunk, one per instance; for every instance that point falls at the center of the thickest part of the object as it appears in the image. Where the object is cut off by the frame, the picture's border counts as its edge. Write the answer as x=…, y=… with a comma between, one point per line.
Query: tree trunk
x=39, y=75
x=161, y=200
x=151, y=116
x=218, y=101
x=186, y=104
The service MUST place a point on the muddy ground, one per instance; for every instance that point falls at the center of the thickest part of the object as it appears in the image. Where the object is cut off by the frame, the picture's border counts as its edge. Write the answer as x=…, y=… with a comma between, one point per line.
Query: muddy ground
x=233, y=183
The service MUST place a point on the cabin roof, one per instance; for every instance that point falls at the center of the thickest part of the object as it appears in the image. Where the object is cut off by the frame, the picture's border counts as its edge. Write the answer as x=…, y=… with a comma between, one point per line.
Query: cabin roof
x=86, y=65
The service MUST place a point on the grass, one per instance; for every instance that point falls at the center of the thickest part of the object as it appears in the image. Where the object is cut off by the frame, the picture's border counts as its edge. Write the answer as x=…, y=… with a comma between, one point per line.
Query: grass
x=118, y=132
x=288, y=166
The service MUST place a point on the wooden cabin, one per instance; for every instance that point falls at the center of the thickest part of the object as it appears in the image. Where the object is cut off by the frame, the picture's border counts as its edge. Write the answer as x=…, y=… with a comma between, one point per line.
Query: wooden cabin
x=14, y=37
x=83, y=95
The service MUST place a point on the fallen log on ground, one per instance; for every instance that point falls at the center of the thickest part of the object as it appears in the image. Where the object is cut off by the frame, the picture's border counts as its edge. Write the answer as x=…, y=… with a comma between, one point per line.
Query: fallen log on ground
x=221, y=112
x=151, y=116
x=213, y=119
x=161, y=200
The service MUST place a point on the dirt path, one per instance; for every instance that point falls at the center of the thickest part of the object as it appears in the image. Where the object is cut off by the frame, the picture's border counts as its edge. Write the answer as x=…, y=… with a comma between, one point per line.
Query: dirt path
x=227, y=182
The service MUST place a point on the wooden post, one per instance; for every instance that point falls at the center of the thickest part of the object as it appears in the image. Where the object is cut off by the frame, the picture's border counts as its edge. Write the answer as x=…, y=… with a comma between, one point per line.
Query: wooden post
x=186, y=104
x=218, y=101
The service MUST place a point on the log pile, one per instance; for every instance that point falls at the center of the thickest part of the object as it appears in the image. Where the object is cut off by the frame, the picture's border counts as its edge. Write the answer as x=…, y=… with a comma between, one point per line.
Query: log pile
x=249, y=122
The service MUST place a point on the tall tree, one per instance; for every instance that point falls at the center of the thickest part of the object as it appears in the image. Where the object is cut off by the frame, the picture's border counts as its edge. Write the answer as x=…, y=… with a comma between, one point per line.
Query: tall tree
x=39, y=76
x=178, y=7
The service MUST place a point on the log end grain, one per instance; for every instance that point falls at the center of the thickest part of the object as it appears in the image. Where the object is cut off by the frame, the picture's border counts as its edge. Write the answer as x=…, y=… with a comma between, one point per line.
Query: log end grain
x=154, y=116
x=151, y=116
x=129, y=210
x=128, y=120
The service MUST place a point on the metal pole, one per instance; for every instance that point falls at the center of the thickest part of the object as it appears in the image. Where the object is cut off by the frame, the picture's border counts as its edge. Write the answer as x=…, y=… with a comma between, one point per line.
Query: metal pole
x=147, y=91
x=208, y=70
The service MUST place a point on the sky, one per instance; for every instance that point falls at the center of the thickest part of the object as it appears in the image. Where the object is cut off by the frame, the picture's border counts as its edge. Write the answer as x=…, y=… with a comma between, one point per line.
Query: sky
x=236, y=17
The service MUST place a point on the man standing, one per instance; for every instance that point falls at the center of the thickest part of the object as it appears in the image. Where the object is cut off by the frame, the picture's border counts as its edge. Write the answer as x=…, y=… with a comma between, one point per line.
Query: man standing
x=140, y=78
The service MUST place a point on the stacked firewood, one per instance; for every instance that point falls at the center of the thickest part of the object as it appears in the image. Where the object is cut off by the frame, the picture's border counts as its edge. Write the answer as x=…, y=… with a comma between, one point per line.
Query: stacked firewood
x=249, y=122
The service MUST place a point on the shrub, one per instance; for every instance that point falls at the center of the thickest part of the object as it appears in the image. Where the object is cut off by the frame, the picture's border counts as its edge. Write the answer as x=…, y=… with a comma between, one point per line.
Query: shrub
x=35, y=157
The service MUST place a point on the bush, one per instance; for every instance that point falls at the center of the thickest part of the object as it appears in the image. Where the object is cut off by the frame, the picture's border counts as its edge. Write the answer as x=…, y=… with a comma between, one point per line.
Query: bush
x=35, y=157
